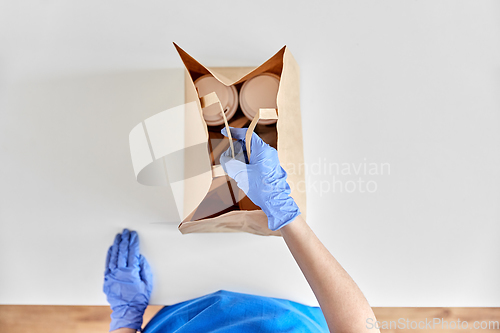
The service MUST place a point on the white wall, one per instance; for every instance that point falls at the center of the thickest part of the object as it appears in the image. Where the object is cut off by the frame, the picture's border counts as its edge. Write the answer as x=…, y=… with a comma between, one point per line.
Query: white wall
x=410, y=83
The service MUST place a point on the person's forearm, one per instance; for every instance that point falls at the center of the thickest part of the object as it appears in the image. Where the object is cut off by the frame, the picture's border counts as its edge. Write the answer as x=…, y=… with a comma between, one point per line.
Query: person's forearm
x=124, y=330
x=343, y=305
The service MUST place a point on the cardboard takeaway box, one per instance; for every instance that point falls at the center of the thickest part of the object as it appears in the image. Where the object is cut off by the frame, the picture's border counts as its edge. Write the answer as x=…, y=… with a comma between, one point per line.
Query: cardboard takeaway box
x=176, y=148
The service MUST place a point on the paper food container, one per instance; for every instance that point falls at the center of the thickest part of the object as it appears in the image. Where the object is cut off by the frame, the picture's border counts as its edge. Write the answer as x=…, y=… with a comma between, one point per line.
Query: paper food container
x=177, y=148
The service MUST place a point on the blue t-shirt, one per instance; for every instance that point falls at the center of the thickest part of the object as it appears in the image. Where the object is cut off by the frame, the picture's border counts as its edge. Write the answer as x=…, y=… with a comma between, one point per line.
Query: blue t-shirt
x=225, y=311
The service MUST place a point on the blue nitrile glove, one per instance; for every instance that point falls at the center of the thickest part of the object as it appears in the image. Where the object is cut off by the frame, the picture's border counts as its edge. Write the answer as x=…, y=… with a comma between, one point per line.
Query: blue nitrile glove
x=127, y=281
x=263, y=180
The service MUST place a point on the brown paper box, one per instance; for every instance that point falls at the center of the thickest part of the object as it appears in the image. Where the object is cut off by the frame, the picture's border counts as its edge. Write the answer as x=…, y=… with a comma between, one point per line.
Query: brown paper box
x=206, y=188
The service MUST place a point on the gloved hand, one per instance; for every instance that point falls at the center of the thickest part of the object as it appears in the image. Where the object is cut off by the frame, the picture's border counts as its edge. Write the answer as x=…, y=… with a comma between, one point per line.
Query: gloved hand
x=127, y=281
x=263, y=179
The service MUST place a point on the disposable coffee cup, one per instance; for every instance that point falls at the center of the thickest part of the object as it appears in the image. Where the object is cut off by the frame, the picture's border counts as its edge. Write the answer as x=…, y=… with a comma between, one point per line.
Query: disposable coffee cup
x=228, y=97
x=260, y=92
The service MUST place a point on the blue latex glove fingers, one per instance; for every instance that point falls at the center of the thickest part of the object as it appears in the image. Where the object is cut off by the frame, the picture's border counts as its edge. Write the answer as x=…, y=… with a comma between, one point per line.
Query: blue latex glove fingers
x=145, y=272
x=236, y=133
x=123, y=249
x=133, y=250
x=257, y=146
x=108, y=257
x=263, y=179
x=237, y=170
x=113, y=260
x=127, y=281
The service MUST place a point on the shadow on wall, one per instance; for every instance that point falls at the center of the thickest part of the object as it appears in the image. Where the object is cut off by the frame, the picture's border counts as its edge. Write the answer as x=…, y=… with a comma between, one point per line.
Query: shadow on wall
x=71, y=134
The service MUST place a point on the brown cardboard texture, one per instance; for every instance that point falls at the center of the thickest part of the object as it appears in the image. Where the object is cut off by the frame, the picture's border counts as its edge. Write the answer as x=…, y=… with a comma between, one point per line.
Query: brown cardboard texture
x=201, y=196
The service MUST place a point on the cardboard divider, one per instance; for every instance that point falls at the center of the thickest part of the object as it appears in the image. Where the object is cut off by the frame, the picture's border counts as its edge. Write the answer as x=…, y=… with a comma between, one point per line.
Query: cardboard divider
x=213, y=99
x=261, y=114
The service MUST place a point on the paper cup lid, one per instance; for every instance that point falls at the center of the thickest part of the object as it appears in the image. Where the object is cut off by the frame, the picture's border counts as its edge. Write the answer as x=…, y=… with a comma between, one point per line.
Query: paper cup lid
x=260, y=92
x=228, y=97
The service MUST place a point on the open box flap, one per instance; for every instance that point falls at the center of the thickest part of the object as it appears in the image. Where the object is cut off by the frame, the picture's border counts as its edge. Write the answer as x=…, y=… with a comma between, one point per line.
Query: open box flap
x=253, y=221
x=289, y=127
x=273, y=65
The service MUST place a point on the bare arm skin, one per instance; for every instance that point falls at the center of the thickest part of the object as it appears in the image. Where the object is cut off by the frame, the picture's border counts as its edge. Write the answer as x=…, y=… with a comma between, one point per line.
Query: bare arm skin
x=342, y=302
